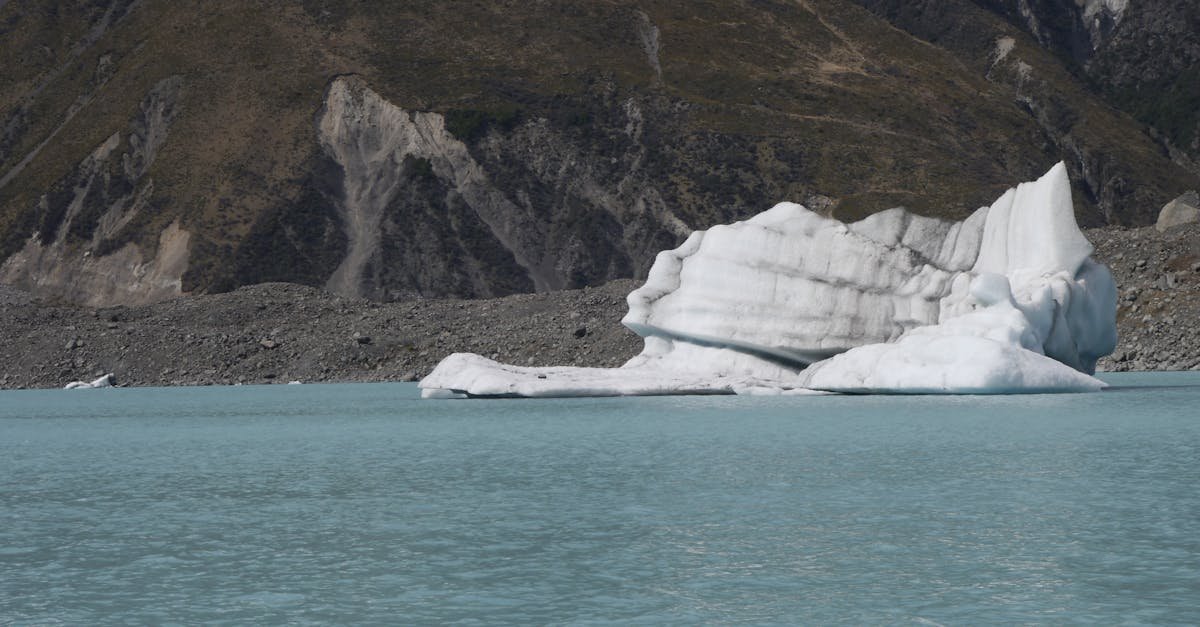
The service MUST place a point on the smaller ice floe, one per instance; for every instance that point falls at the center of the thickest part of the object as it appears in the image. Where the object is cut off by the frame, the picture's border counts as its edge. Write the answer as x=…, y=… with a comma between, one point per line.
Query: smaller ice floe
x=107, y=381
x=1005, y=301
x=466, y=375
x=295, y=382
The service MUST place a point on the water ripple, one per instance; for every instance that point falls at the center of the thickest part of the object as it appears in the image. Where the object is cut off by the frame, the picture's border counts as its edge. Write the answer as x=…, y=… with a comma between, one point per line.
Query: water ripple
x=360, y=504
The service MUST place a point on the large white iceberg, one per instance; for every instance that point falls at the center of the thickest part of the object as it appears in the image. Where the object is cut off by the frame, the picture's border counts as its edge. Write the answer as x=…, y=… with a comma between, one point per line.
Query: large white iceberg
x=789, y=301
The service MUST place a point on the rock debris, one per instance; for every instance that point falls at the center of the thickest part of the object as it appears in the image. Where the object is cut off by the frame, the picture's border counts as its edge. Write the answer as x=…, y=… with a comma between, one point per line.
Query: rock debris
x=278, y=332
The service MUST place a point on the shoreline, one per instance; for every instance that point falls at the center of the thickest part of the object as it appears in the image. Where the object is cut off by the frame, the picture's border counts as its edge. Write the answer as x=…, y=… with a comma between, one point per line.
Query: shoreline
x=1195, y=372
x=278, y=332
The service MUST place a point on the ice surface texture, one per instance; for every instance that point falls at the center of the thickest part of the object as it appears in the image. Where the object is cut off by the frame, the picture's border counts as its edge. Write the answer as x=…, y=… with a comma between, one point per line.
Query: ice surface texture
x=789, y=301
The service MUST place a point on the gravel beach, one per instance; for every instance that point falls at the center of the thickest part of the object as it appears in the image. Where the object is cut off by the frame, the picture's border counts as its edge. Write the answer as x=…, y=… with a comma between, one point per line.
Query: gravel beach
x=277, y=333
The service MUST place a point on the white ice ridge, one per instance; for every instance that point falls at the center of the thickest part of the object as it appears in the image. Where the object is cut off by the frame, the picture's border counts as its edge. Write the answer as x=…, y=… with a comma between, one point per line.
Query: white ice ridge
x=789, y=301
x=105, y=381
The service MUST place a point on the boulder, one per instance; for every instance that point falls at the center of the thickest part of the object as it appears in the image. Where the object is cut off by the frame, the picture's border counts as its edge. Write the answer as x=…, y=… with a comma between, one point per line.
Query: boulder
x=1182, y=210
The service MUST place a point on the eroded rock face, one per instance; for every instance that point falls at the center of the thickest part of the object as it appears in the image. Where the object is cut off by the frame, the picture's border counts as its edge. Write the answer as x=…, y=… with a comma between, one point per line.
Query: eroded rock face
x=124, y=277
x=371, y=140
x=1087, y=35
x=1141, y=55
x=80, y=253
x=424, y=214
x=1075, y=27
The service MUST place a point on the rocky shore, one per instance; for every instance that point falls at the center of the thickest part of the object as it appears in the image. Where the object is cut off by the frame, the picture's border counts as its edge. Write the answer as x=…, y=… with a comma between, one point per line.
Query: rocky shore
x=276, y=333
x=1158, y=305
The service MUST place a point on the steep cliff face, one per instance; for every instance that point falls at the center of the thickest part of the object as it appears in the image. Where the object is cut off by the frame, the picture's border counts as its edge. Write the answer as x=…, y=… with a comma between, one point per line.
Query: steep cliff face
x=380, y=149
x=1142, y=56
x=82, y=249
x=431, y=149
x=1097, y=143
x=399, y=207
x=1150, y=67
x=1075, y=29
x=528, y=208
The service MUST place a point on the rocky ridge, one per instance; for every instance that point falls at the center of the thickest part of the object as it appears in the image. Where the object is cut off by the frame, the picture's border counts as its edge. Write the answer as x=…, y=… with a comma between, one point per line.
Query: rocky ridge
x=276, y=333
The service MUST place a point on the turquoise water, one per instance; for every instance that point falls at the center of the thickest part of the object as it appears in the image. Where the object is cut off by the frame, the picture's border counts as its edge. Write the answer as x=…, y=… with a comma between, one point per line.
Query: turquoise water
x=362, y=504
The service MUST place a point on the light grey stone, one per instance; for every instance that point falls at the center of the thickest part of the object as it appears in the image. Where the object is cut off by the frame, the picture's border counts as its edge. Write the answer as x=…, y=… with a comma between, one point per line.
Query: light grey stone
x=1183, y=210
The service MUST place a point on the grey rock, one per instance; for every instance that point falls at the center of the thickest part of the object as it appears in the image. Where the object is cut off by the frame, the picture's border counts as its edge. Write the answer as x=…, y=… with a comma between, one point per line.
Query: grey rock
x=1183, y=210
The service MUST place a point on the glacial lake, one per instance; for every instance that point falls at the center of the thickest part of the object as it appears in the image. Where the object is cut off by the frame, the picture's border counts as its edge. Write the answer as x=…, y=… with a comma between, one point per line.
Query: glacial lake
x=320, y=504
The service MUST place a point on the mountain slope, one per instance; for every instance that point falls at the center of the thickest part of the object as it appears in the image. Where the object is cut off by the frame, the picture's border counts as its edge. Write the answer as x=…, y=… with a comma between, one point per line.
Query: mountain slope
x=478, y=149
x=1142, y=57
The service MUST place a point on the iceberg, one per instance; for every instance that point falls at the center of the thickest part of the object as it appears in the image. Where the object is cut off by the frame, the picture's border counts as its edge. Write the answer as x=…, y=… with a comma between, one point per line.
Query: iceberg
x=106, y=381
x=792, y=302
